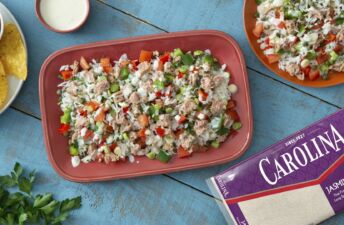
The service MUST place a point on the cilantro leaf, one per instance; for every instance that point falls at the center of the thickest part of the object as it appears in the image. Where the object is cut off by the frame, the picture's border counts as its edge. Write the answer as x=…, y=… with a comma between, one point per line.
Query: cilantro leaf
x=22, y=218
x=25, y=185
x=42, y=200
x=70, y=204
x=7, y=181
x=60, y=218
x=18, y=208
x=50, y=208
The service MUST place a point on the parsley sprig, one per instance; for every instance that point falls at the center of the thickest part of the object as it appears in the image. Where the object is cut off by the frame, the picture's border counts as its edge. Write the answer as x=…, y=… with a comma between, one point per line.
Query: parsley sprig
x=23, y=206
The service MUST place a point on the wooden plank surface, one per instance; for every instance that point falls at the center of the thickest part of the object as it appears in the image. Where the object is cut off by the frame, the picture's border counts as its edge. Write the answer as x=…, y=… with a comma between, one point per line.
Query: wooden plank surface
x=148, y=200
x=279, y=110
x=223, y=15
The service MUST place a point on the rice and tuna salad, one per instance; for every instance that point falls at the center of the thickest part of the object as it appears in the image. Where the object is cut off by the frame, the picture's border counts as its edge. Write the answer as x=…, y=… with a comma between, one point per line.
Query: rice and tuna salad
x=305, y=37
x=161, y=105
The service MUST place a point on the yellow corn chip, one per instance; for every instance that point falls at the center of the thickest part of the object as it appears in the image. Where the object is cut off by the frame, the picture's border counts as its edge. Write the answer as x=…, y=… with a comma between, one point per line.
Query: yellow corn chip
x=3, y=85
x=12, y=52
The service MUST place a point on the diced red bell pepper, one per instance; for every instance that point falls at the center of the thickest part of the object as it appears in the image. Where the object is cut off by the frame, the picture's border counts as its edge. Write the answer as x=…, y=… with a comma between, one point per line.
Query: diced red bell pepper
x=64, y=128
x=306, y=70
x=314, y=74
x=113, y=146
x=267, y=41
x=88, y=135
x=158, y=94
x=322, y=58
x=93, y=105
x=160, y=131
x=145, y=56
x=330, y=37
x=142, y=133
x=182, y=119
x=258, y=30
x=338, y=48
x=160, y=66
x=203, y=95
x=231, y=104
x=126, y=109
x=281, y=25
x=182, y=153
x=273, y=58
x=135, y=63
x=165, y=57
x=66, y=74
x=234, y=115
x=100, y=116
x=180, y=75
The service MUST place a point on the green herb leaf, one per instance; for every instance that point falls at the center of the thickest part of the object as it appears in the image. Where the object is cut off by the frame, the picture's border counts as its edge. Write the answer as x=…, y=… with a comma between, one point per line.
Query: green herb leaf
x=60, y=218
x=42, y=200
x=70, y=204
x=22, y=218
x=50, y=208
x=7, y=181
x=25, y=185
x=18, y=170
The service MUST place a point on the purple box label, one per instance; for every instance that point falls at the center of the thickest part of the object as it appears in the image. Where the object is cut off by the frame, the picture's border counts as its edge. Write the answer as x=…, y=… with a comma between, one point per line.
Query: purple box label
x=312, y=156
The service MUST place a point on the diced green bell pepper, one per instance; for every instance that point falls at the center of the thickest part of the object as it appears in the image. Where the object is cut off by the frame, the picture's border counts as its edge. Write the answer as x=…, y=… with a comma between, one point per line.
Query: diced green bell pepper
x=158, y=84
x=114, y=87
x=198, y=53
x=151, y=155
x=324, y=68
x=73, y=150
x=237, y=125
x=177, y=52
x=125, y=136
x=215, y=144
x=333, y=57
x=311, y=55
x=169, y=110
x=208, y=59
x=163, y=156
x=183, y=69
x=169, y=78
x=124, y=73
x=65, y=118
x=187, y=59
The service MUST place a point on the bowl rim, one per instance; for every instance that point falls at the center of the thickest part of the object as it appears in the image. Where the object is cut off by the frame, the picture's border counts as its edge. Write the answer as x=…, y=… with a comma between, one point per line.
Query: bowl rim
x=46, y=25
x=58, y=168
x=278, y=72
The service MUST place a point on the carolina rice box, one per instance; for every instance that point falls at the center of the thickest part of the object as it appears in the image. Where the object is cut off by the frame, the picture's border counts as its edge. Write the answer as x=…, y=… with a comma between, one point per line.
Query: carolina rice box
x=298, y=181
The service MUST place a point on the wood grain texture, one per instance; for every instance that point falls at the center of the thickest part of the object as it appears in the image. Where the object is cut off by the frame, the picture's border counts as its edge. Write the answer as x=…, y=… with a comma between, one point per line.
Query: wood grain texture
x=225, y=15
x=148, y=200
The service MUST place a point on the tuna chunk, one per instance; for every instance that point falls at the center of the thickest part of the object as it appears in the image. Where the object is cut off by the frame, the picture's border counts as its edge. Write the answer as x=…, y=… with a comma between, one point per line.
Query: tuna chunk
x=134, y=98
x=187, y=107
x=102, y=86
x=206, y=83
x=217, y=107
x=144, y=67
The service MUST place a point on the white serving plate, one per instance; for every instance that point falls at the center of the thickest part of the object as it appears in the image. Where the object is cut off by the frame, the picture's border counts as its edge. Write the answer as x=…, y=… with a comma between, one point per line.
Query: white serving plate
x=14, y=84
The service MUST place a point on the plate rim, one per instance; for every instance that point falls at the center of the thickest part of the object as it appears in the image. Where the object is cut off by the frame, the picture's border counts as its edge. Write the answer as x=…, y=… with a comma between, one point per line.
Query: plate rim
x=49, y=59
x=21, y=82
x=278, y=72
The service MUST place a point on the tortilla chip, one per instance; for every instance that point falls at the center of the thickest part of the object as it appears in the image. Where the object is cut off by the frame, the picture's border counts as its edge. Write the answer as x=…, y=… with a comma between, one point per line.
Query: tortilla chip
x=3, y=85
x=12, y=52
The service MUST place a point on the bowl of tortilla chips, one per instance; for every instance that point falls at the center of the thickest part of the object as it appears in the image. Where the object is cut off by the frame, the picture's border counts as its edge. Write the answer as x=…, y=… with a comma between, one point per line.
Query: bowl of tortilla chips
x=13, y=58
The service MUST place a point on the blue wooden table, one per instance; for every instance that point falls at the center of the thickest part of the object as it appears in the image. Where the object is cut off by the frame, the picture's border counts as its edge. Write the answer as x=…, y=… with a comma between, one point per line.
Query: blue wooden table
x=280, y=108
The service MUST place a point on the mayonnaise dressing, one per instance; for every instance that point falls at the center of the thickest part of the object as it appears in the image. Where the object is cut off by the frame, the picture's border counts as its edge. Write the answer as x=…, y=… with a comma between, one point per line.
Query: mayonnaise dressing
x=64, y=14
